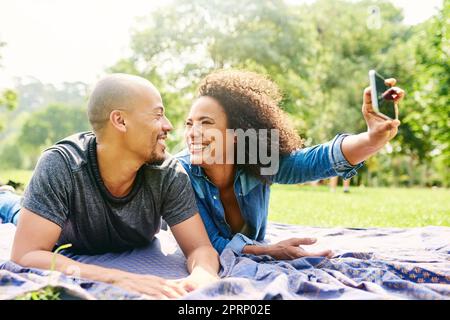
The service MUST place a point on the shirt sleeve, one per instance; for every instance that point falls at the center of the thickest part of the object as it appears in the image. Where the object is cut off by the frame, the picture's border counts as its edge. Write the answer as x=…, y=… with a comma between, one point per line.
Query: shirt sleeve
x=340, y=164
x=179, y=201
x=48, y=193
x=313, y=163
x=238, y=242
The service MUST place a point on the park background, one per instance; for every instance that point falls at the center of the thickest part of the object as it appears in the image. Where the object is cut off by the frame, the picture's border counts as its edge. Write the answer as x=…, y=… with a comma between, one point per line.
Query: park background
x=318, y=52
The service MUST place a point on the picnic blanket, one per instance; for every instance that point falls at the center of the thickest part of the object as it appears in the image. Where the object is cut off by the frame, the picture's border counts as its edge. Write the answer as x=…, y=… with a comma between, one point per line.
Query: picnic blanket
x=373, y=263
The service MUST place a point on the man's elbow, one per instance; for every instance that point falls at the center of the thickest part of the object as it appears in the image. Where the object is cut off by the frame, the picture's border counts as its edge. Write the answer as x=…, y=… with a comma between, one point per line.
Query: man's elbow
x=19, y=258
x=25, y=258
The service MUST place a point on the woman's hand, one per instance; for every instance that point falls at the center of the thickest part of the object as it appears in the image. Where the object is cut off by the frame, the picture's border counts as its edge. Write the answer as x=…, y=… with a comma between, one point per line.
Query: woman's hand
x=290, y=249
x=357, y=148
x=381, y=130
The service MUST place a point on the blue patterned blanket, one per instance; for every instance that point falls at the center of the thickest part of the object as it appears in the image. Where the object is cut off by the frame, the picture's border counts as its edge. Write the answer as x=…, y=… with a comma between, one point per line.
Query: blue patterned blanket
x=374, y=263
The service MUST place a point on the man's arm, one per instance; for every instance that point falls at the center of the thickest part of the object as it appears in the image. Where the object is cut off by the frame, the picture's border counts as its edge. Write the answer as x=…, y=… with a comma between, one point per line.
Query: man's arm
x=202, y=258
x=35, y=238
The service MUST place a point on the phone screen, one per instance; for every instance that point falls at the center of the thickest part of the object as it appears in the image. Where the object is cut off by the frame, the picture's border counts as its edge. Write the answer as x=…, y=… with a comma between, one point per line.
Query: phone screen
x=384, y=97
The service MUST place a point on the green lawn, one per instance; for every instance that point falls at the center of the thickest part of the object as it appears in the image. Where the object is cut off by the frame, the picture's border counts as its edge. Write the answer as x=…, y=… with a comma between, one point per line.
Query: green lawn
x=362, y=207
x=16, y=175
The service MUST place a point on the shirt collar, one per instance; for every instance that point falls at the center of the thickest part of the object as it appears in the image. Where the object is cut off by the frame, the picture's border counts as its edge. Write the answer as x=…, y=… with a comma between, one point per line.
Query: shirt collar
x=197, y=170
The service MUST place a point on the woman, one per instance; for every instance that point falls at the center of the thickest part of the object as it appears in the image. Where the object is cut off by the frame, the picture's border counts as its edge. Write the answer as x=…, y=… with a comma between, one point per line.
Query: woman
x=233, y=195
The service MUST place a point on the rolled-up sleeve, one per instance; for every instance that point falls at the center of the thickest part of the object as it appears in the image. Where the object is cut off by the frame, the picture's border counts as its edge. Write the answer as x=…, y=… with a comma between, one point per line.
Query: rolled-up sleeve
x=238, y=242
x=340, y=164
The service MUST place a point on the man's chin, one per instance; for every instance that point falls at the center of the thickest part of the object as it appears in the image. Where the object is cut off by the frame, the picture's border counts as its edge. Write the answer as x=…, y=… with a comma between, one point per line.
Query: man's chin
x=157, y=158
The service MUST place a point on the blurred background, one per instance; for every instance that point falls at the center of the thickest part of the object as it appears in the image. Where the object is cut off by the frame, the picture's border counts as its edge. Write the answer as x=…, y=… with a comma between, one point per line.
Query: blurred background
x=318, y=52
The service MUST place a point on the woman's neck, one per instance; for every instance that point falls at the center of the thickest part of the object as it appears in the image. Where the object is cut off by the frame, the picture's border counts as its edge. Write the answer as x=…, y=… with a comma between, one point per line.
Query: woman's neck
x=222, y=175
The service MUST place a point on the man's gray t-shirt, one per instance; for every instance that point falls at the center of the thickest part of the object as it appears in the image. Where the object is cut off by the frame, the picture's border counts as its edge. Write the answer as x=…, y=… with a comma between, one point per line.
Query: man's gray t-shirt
x=67, y=189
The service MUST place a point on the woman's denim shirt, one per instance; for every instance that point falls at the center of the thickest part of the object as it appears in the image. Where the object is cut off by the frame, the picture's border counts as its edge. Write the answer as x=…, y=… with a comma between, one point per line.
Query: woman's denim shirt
x=307, y=164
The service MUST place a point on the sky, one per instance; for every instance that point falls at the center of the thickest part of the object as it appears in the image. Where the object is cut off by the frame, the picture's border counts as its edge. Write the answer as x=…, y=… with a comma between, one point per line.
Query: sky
x=61, y=40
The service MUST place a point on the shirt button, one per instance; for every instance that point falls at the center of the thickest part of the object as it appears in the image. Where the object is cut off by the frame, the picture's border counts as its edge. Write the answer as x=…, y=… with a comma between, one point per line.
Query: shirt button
x=214, y=197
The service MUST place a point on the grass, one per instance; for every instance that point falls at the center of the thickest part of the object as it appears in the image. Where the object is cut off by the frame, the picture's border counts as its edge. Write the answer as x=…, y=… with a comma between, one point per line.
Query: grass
x=46, y=293
x=16, y=175
x=362, y=207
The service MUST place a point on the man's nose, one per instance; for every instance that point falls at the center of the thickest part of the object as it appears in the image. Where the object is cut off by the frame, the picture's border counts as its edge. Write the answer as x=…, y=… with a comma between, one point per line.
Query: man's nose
x=167, y=126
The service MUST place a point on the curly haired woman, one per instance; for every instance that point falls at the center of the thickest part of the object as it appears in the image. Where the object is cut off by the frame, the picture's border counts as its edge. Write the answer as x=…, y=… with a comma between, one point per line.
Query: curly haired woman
x=232, y=189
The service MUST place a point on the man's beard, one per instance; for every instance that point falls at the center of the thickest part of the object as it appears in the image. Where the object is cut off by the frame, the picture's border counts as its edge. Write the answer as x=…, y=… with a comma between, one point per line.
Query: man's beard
x=156, y=157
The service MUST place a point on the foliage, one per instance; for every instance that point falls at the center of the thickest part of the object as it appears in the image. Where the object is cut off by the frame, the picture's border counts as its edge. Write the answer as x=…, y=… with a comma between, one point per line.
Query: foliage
x=45, y=293
x=319, y=54
x=33, y=95
x=8, y=98
x=45, y=127
x=428, y=117
x=11, y=156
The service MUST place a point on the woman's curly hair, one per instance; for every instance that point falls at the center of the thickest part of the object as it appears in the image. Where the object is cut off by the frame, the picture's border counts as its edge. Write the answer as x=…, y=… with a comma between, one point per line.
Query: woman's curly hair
x=251, y=101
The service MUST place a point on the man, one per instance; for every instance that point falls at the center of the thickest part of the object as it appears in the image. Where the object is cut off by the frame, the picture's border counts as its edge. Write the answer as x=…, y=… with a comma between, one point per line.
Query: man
x=99, y=192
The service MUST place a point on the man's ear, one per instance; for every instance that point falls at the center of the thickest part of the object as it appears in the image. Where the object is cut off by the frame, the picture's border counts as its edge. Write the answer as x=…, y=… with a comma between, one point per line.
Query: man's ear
x=117, y=119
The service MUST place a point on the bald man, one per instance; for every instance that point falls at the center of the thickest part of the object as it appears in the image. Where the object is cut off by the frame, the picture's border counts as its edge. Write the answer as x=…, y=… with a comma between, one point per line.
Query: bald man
x=107, y=190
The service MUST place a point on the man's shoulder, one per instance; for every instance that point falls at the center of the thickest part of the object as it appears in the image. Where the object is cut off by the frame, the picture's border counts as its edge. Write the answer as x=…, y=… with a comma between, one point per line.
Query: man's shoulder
x=73, y=149
x=79, y=138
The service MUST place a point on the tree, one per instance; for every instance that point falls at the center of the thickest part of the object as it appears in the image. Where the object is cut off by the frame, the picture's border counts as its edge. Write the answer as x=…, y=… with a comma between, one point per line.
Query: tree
x=11, y=156
x=8, y=98
x=45, y=127
x=425, y=114
x=178, y=45
x=319, y=54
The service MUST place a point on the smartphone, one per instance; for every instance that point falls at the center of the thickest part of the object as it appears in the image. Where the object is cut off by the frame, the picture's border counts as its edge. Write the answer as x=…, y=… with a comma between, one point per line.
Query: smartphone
x=383, y=102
